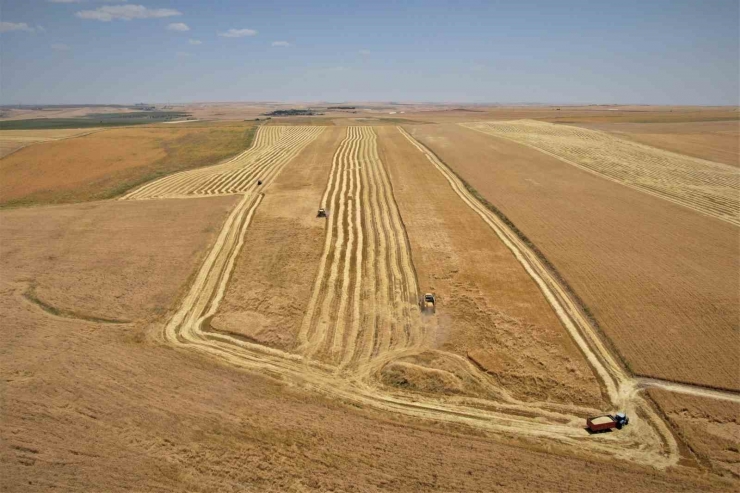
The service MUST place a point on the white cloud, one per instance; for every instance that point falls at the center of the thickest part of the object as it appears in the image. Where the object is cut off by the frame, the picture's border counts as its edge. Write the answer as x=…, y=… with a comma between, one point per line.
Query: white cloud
x=238, y=33
x=15, y=26
x=40, y=29
x=195, y=42
x=83, y=1
x=178, y=26
x=280, y=43
x=59, y=47
x=125, y=12
x=364, y=52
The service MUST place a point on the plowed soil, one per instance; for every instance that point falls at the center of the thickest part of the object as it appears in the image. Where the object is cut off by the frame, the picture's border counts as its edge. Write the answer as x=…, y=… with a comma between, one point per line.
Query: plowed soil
x=105, y=164
x=669, y=305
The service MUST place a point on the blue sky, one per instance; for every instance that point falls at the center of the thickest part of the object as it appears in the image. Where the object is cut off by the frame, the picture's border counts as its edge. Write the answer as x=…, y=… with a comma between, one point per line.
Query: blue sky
x=573, y=51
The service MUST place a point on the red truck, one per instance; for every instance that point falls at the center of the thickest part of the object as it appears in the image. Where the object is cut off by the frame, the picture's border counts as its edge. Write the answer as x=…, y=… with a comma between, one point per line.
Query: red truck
x=606, y=422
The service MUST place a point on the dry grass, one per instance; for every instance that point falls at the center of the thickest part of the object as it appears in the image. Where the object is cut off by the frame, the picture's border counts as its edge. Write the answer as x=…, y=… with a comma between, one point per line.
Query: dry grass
x=106, y=164
x=708, y=187
x=658, y=278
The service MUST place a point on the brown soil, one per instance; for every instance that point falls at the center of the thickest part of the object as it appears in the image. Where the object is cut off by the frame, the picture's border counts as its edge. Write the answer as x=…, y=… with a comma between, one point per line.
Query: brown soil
x=105, y=164
x=275, y=271
x=710, y=427
x=488, y=307
x=715, y=141
x=625, y=253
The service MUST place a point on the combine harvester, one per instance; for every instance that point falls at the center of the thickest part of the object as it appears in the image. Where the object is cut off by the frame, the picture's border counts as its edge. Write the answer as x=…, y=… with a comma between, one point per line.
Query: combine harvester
x=606, y=422
x=428, y=303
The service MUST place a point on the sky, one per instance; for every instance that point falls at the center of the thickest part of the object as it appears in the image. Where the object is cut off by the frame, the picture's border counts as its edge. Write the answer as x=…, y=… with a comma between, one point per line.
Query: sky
x=527, y=51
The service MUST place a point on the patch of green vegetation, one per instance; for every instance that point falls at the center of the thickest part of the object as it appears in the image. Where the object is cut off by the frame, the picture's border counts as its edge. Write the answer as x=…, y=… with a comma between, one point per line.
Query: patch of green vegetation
x=293, y=112
x=93, y=120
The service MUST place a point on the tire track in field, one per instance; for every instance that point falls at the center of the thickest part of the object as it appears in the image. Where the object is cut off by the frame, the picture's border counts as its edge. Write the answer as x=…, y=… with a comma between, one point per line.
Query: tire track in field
x=364, y=297
x=621, y=388
x=356, y=162
x=273, y=147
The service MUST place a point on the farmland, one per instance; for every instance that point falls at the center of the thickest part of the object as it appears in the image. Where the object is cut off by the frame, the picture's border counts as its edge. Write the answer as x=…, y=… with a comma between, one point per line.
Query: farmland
x=714, y=141
x=621, y=251
x=207, y=329
x=105, y=164
x=704, y=186
x=12, y=140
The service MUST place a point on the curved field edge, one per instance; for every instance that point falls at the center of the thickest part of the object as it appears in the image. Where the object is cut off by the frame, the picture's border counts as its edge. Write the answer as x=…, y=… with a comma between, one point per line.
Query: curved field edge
x=107, y=165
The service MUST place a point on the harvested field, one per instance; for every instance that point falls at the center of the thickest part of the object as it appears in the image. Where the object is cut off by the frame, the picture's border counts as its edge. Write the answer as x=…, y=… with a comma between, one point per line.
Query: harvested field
x=490, y=309
x=92, y=408
x=397, y=377
x=273, y=147
x=12, y=140
x=105, y=164
x=86, y=261
x=623, y=252
x=364, y=301
x=707, y=187
x=275, y=271
x=710, y=427
x=714, y=141
x=501, y=375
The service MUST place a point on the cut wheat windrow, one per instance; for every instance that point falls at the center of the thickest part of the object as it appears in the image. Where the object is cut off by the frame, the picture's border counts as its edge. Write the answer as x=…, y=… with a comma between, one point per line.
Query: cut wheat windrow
x=704, y=186
x=364, y=300
x=272, y=146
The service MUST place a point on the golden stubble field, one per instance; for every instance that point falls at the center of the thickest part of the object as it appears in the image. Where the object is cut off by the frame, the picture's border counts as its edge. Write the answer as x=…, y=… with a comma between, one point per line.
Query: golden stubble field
x=277, y=316
x=658, y=278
